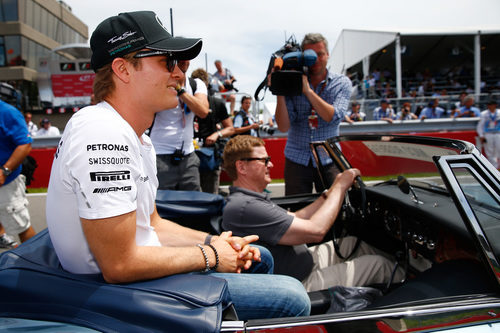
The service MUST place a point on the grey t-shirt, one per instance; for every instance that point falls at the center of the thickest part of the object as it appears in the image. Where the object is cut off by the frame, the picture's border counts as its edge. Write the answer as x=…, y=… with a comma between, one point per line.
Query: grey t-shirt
x=251, y=213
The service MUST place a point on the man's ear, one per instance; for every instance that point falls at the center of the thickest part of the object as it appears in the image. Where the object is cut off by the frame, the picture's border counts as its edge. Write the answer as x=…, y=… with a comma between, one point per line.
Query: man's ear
x=120, y=68
x=240, y=167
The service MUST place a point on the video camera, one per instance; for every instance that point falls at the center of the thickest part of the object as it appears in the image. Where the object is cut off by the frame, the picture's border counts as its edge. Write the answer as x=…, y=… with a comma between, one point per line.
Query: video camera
x=266, y=129
x=230, y=86
x=286, y=67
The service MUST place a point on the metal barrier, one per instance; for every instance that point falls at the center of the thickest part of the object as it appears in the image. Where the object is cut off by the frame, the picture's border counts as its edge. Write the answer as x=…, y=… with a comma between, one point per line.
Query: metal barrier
x=409, y=126
x=362, y=127
x=446, y=102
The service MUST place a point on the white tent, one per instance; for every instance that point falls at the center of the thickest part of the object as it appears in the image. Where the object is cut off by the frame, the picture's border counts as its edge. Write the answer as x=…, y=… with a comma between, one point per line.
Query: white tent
x=355, y=46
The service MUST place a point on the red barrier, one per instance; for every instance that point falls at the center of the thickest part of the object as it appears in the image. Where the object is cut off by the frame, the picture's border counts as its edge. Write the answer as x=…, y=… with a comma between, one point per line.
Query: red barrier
x=43, y=157
x=275, y=148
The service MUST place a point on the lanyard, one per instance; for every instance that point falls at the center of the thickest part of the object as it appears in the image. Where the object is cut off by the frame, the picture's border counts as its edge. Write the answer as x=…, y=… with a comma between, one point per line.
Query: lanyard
x=493, y=116
x=313, y=112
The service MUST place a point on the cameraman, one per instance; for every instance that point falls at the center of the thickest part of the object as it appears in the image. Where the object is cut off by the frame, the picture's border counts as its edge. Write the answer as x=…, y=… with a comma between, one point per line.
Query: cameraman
x=405, y=113
x=314, y=115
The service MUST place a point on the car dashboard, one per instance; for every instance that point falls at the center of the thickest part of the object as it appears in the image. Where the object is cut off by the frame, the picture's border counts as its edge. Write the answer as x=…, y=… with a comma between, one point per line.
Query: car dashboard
x=396, y=221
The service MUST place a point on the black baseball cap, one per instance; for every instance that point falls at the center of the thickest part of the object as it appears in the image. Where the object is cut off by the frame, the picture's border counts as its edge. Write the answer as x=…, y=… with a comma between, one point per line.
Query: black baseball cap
x=119, y=35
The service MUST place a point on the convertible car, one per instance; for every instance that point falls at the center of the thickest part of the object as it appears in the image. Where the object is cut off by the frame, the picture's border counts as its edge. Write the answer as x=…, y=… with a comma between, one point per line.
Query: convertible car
x=433, y=204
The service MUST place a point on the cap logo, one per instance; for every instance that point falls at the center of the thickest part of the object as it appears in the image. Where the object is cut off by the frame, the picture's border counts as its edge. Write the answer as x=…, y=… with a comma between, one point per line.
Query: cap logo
x=125, y=35
x=159, y=22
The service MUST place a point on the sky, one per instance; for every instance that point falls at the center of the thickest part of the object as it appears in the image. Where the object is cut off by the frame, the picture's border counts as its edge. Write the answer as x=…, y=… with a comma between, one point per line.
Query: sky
x=244, y=34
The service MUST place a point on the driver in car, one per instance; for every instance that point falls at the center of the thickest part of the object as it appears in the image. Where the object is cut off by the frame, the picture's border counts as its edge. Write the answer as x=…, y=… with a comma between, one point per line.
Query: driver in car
x=249, y=211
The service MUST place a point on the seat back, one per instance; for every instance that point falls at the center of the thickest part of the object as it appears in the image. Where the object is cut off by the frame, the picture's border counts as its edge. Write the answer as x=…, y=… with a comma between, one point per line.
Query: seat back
x=33, y=285
x=197, y=210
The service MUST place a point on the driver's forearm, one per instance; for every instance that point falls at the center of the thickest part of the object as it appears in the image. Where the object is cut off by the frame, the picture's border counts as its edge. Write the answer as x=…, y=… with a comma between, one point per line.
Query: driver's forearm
x=325, y=216
x=309, y=210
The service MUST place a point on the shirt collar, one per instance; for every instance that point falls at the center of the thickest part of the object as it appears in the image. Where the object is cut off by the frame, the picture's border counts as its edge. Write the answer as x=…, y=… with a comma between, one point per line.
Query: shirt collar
x=262, y=195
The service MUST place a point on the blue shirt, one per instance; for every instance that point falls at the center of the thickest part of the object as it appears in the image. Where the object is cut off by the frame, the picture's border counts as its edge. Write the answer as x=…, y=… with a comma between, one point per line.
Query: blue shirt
x=379, y=113
x=464, y=109
x=239, y=122
x=429, y=113
x=335, y=90
x=13, y=133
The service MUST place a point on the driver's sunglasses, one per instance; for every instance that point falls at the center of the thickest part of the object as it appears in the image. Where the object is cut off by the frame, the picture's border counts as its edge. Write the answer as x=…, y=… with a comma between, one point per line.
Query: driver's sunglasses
x=171, y=63
x=266, y=160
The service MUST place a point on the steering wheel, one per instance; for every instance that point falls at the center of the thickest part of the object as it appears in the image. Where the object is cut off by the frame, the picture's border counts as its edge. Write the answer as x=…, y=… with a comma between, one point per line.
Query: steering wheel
x=349, y=213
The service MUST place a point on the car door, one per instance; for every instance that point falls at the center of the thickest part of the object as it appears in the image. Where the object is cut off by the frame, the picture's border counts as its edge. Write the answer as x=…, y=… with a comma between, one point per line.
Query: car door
x=475, y=187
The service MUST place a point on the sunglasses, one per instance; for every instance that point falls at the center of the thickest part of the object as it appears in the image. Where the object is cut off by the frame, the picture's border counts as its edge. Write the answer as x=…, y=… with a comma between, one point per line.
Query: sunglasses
x=266, y=160
x=171, y=63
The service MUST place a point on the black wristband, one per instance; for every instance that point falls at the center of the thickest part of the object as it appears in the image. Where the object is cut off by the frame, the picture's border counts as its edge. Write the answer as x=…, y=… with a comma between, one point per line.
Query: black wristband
x=208, y=239
x=181, y=91
x=216, y=257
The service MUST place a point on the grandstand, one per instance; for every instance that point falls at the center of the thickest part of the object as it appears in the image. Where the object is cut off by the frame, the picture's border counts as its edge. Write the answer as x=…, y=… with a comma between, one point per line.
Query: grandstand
x=430, y=63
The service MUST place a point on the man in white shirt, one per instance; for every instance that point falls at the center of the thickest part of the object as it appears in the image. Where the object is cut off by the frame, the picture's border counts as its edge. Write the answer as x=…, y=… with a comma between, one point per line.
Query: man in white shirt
x=46, y=129
x=32, y=128
x=101, y=211
x=172, y=136
x=488, y=129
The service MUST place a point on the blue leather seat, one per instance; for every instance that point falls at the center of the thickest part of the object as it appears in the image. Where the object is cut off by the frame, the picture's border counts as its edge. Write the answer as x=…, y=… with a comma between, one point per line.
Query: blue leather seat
x=197, y=210
x=33, y=285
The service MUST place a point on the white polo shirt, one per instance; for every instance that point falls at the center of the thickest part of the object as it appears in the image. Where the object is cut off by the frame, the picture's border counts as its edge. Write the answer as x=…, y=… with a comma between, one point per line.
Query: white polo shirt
x=173, y=128
x=101, y=169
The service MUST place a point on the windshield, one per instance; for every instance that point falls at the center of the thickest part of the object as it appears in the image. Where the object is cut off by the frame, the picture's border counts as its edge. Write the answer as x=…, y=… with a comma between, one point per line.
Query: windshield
x=384, y=158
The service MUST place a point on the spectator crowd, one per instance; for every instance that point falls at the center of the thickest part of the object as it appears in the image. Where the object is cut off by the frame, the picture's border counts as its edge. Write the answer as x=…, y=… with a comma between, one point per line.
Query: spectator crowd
x=412, y=109
x=425, y=83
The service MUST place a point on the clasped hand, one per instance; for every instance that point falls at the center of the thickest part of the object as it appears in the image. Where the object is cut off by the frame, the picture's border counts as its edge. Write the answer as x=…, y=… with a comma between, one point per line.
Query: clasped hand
x=235, y=253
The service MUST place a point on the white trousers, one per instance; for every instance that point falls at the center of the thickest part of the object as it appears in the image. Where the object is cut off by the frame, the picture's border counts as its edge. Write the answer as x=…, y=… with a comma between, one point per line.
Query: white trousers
x=367, y=266
x=492, y=148
x=14, y=214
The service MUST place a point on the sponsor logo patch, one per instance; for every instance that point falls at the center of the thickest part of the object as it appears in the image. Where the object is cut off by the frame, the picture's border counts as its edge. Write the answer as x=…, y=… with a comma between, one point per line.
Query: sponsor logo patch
x=108, y=176
x=124, y=36
x=112, y=189
x=109, y=160
x=107, y=147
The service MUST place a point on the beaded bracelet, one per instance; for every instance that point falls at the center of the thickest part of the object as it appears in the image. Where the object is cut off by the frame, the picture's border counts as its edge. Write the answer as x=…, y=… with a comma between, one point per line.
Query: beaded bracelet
x=207, y=264
x=216, y=257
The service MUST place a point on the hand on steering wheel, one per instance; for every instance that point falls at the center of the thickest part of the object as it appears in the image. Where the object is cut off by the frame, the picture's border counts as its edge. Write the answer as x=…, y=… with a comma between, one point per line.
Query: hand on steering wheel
x=349, y=212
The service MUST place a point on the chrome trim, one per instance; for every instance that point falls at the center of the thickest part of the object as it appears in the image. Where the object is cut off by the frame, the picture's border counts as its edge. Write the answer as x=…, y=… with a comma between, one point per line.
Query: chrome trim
x=230, y=326
x=362, y=315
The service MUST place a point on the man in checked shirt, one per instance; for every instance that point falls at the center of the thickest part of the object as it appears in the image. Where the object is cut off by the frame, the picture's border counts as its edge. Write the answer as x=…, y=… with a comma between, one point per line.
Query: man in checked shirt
x=314, y=115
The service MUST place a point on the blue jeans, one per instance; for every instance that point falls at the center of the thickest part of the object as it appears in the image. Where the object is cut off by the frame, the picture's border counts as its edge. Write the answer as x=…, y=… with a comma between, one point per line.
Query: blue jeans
x=260, y=294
